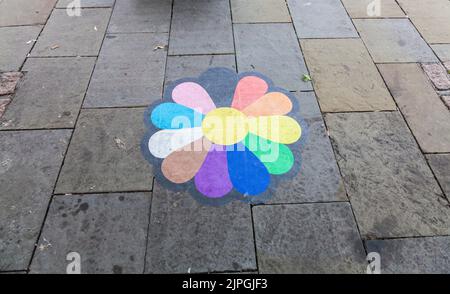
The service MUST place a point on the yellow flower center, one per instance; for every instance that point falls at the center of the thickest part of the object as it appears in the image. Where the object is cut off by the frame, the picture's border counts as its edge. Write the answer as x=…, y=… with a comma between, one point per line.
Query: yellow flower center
x=225, y=126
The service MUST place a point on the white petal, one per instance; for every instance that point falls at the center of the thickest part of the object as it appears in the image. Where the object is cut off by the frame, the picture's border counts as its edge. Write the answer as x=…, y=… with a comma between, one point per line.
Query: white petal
x=164, y=142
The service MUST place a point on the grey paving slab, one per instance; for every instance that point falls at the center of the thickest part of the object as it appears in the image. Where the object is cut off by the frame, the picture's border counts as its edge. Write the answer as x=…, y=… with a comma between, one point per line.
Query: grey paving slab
x=104, y=153
x=321, y=19
x=393, y=40
x=179, y=67
x=201, y=27
x=344, y=76
x=50, y=94
x=186, y=236
x=431, y=18
x=145, y=16
x=425, y=113
x=29, y=165
x=25, y=12
x=373, y=9
x=254, y=11
x=308, y=238
x=15, y=45
x=86, y=3
x=129, y=71
x=318, y=179
x=440, y=164
x=442, y=51
x=391, y=188
x=66, y=35
x=413, y=255
x=273, y=50
x=108, y=231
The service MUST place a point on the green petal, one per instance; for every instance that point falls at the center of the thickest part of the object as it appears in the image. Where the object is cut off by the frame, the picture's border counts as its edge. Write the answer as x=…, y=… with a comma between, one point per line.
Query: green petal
x=277, y=158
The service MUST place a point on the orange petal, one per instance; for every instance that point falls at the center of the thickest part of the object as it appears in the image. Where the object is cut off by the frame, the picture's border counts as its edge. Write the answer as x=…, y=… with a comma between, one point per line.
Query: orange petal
x=274, y=103
x=248, y=90
x=182, y=165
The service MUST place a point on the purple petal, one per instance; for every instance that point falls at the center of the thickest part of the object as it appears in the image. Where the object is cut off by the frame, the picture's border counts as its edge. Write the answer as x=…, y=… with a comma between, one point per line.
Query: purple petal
x=212, y=180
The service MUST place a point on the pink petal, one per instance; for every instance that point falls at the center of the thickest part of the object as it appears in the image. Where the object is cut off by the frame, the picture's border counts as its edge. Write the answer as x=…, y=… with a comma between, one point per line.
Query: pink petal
x=193, y=95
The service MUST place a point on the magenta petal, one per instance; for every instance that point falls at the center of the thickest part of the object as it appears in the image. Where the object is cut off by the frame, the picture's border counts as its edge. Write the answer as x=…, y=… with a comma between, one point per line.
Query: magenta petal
x=212, y=180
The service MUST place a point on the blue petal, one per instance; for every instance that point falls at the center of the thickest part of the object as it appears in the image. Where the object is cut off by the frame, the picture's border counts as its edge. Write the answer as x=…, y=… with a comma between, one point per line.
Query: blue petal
x=247, y=173
x=175, y=116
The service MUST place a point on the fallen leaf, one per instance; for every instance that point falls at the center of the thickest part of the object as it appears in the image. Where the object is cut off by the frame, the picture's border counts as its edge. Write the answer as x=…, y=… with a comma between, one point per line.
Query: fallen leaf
x=119, y=143
x=6, y=123
x=159, y=47
x=306, y=78
x=54, y=47
x=44, y=245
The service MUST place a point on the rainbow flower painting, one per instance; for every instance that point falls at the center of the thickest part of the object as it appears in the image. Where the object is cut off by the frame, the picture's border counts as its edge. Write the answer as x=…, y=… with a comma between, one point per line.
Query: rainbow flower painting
x=224, y=136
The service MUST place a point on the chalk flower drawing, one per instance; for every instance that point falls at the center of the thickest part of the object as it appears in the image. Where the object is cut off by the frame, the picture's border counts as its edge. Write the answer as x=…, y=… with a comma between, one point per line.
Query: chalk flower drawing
x=224, y=136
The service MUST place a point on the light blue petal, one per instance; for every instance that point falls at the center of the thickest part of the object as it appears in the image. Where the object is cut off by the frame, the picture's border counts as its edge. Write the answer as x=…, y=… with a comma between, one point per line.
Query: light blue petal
x=175, y=116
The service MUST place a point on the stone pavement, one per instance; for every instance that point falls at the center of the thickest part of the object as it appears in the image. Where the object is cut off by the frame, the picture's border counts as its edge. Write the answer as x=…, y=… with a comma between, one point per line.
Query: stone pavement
x=375, y=174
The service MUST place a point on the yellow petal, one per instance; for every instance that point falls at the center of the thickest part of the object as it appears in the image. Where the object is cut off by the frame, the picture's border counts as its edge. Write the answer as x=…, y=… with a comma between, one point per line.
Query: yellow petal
x=278, y=128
